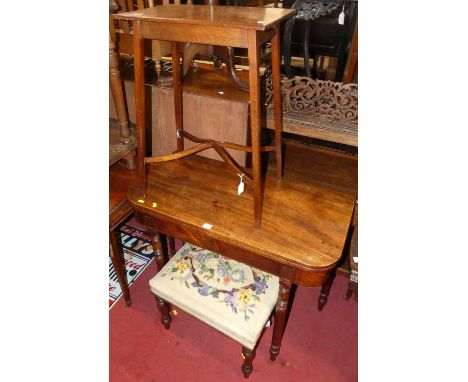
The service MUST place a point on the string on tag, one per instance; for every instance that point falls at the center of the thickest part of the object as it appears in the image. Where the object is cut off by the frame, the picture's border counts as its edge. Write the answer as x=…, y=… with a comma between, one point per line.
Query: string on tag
x=341, y=17
x=240, y=187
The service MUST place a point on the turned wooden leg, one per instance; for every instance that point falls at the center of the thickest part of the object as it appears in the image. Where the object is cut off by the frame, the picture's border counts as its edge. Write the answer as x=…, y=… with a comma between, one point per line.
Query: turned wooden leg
x=281, y=312
x=247, y=367
x=161, y=259
x=349, y=292
x=118, y=94
x=171, y=241
x=119, y=266
x=322, y=300
x=352, y=287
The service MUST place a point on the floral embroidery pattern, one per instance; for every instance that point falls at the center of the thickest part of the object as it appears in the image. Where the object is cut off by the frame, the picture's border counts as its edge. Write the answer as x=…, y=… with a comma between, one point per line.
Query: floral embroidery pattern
x=231, y=283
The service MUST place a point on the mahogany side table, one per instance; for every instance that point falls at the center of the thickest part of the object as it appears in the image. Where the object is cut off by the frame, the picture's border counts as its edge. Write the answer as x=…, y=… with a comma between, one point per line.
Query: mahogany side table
x=243, y=27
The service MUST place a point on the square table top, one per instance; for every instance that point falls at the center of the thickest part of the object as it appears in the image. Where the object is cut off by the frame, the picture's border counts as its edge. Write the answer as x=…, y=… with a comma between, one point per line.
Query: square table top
x=231, y=17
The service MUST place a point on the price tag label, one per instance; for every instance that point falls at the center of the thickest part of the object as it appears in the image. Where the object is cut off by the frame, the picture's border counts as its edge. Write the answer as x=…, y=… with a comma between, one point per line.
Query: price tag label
x=241, y=186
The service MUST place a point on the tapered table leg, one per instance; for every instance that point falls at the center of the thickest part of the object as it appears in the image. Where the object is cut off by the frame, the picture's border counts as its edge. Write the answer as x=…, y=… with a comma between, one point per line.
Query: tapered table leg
x=139, y=61
x=254, y=84
x=178, y=96
x=281, y=312
x=119, y=267
x=277, y=104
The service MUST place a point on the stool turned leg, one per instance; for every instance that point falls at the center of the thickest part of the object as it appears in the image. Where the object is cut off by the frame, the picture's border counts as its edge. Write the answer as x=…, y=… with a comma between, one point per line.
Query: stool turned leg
x=326, y=291
x=280, y=317
x=158, y=253
x=119, y=267
x=247, y=367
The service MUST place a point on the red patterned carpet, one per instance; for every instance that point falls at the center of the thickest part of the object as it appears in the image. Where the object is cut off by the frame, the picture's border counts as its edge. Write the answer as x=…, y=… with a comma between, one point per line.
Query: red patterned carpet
x=317, y=346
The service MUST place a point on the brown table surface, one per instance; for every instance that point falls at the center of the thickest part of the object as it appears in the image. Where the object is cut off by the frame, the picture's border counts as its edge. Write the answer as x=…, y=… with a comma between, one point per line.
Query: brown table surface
x=235, y=17
x=304, y=224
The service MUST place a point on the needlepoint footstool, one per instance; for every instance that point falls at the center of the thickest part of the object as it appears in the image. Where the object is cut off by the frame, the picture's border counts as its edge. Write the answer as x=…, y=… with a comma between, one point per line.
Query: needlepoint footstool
x=229, y=296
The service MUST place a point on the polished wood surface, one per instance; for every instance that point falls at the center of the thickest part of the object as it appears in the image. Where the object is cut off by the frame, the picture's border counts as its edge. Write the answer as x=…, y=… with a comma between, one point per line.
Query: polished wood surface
x=216, y=26
x=120, y=179
x=204, y=116
x=306, y=219
x=304, y=224
x=241, y=17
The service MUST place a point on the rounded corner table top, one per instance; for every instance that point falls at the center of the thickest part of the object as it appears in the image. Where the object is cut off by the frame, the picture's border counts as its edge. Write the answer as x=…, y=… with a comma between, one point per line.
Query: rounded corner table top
x=302, y=223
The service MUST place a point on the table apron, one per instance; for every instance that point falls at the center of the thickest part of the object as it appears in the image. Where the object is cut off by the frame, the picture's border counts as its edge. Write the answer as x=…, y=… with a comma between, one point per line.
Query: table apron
x=199, y=34
x=200, y=237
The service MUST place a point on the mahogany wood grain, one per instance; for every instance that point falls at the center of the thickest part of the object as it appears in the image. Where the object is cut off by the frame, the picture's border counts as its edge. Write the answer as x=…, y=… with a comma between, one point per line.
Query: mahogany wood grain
x=119, y=209
x=305, y=222
x=277, y=104
x=138, y=48
x=215, y=25
x=119, y=267
x=247, y=367
x=281, y=312
x=205, y=15
x=177, y=89
x=160, y=257
x=255, y=123
x=304, y=225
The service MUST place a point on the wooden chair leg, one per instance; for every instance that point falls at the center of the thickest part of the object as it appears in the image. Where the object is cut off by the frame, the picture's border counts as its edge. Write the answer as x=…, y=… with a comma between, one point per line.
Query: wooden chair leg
x=119, y=267
x=326, y=291
x=247, y=367
x=281, y=312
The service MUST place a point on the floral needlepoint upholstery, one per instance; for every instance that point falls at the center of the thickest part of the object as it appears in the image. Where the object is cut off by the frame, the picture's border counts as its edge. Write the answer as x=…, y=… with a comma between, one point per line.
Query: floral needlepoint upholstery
x=230, y=296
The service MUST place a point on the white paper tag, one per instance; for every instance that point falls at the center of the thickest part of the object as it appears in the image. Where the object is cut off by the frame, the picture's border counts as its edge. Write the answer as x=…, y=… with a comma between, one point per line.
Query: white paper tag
x=355, y=259
x=341, y=17
x=207, y=226
x=240, y=187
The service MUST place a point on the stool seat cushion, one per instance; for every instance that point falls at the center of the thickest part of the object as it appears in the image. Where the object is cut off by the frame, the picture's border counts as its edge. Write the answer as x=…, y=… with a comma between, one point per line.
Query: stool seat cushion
x=230, y=296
